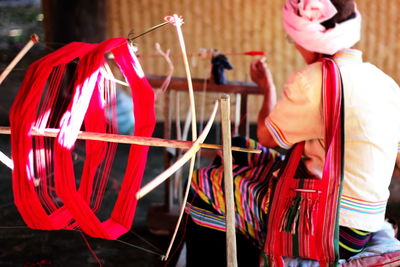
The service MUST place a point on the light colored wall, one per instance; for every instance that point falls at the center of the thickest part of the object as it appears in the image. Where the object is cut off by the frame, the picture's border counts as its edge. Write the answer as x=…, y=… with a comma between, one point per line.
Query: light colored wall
x=236, y=26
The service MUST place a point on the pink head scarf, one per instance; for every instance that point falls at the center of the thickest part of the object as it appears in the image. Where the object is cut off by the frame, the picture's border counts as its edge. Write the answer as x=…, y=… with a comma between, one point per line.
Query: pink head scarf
x=302, y=18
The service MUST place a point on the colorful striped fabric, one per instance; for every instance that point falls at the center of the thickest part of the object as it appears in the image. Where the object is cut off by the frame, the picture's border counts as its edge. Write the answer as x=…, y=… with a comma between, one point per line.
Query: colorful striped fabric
x=303, y=218
x=278, y=134
x=348, y=54
x=362, y=206
x=206, y=218
x=352, y=241
x=253, y=184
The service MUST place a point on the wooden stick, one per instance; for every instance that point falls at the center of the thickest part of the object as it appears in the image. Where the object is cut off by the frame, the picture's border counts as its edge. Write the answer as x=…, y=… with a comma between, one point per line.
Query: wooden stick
x=131, y=39
x=6, y=160
x=180, y=162
x=165, y=55
x=177, y=22
x=228, y=181
x=128, y=139
x=189, y=182
x=34, y=39
x=238, y=101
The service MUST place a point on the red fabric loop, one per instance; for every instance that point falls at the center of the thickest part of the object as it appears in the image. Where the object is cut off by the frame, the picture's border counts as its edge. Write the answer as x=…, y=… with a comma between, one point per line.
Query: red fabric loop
x=85, y=106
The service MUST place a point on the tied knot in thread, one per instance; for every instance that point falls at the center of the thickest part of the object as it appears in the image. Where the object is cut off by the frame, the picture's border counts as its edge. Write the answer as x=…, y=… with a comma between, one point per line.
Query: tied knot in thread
x=174, y=20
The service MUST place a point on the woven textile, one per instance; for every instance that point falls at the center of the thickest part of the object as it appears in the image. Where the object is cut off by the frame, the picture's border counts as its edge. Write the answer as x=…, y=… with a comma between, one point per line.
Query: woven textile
x=255, y=178
x=253, y=183
x=303, y=217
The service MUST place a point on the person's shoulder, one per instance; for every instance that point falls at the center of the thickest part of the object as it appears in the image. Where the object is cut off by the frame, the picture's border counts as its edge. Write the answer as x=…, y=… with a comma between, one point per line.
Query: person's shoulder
x=310, y=69
x=376, y=77
x=308, y=76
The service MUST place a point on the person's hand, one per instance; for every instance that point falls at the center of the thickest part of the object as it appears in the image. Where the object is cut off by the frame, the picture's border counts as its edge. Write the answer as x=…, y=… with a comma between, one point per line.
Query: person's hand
x=261, y=75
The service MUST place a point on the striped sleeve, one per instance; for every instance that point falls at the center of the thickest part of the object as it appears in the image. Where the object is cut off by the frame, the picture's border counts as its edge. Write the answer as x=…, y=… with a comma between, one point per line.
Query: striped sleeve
x=277, y=134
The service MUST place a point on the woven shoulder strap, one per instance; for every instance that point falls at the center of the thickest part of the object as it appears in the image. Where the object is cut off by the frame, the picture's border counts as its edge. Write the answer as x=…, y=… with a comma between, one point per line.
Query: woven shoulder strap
x=303, y=215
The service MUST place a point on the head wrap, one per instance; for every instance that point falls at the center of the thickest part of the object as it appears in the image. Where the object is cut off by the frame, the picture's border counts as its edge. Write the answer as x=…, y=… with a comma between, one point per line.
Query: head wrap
x=302, y=21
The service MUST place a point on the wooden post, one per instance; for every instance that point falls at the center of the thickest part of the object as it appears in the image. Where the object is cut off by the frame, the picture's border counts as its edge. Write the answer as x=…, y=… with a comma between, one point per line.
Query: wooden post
x=34, y=39
x=231, y=259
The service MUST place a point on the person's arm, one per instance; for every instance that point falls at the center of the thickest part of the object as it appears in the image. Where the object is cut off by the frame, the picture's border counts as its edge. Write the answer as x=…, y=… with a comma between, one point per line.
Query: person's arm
x=262, y=76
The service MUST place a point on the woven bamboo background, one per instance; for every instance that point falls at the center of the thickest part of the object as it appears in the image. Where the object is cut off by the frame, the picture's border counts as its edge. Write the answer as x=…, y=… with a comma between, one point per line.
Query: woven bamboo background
x=236, y=26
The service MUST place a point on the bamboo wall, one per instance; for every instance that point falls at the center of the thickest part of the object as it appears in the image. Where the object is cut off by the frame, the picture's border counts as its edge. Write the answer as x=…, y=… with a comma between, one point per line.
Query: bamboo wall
x=236, y=26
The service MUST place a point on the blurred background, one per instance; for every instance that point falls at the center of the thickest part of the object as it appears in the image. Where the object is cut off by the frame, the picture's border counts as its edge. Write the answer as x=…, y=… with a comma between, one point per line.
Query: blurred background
x=230, y=26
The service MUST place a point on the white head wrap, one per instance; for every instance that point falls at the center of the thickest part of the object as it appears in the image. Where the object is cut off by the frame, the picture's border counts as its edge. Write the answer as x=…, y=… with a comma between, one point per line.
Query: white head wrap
x=302, y=18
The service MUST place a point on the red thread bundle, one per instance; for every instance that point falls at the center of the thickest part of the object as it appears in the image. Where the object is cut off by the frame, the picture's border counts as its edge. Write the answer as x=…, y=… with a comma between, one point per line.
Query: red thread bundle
x=44, y=184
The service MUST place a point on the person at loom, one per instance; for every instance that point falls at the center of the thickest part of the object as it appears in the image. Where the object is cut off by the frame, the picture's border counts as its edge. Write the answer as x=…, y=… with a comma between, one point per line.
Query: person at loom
x=318, y=29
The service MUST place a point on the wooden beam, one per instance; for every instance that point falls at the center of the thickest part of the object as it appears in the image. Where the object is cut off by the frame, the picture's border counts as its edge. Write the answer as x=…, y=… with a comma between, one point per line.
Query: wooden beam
x=180, y=84
x=128, y=139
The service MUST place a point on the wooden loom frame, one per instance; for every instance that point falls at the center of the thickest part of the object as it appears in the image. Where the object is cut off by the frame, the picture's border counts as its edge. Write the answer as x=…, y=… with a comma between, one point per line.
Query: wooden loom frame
x=241, y=91
x=194, y=146
x=387, y=259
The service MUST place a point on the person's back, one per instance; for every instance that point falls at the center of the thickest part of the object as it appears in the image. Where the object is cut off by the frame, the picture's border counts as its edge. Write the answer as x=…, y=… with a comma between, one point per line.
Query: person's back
x=372, y=127
x=322, y=28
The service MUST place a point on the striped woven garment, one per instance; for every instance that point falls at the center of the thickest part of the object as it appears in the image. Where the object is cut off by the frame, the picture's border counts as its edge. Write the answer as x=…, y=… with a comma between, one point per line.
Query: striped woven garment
x=286, y=222
x=255, y=177
x=253, y=185
x=303, y=216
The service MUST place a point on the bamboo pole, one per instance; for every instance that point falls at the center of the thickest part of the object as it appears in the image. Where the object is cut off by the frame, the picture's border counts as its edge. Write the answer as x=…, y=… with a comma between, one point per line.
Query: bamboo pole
x=6, y=160
x=231, y=257
x=177, y=22
x=34, y=39
x=128, y=139
x=182, y=210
